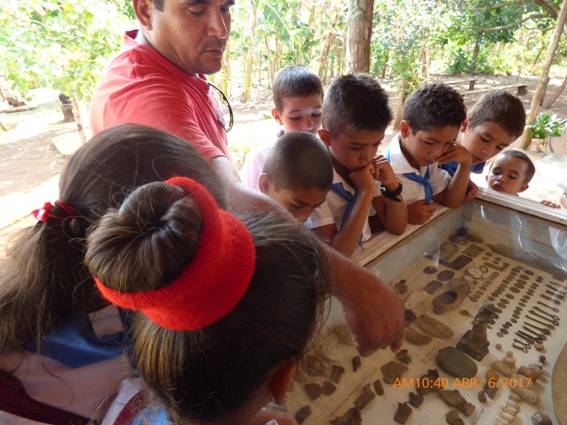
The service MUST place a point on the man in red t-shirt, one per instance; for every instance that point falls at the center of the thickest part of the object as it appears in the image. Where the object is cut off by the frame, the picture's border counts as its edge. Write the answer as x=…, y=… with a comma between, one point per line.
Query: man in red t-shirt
x=159, y=81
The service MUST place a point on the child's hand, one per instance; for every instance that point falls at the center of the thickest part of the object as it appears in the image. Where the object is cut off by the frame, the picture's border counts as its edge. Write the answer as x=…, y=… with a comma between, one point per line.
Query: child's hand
x=419, y=212
x=456, y=153
x=266, y=415
x=472, y=190
x=550, y=204
x=384, y=172
x=363, y=179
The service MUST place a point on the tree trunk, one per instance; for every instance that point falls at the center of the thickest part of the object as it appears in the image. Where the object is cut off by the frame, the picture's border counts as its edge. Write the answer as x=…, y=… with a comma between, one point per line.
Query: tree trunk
x=359, y=35
x=475, y=54
x=400, y=105
x=551, y=101
x=324, y=58
x=538, y=95
x=78, y=119
x=424, y=57
x=249, y=57
x=385, y=66
x=226, y=73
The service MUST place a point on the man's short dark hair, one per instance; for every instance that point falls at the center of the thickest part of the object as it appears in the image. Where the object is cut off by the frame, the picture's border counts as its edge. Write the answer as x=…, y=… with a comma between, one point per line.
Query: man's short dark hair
x=434, y=106
x=512, y=153
x=300, y=160
x=356, y=101
x=295, y=80
x=502, y=108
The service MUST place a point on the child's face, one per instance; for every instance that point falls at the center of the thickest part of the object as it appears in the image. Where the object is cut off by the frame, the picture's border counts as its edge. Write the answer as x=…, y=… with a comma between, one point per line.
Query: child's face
x=300, y=202
x=300, y=113
x=485, y=140
x=508, y=175
x=426, y=146
x=352, y=148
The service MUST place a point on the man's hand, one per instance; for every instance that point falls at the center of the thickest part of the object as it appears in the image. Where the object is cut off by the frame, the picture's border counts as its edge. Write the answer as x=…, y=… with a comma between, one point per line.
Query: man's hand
x=456, y=153
x=363, y=179
x=384, y=172
x=373, y=311
x=472, y=190
x=421, y=211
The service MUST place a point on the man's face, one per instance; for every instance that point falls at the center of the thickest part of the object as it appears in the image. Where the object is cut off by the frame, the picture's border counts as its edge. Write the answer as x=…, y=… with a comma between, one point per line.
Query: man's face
x=300, y=113
x=191, y=33
x=426, y=146
x=352, y=148
x=508, y=175
x=485, y=140
x=300, y=202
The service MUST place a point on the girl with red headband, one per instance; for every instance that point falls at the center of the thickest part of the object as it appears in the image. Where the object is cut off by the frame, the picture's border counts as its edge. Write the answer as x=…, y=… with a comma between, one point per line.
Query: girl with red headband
x=63, y=349
x=225, y=305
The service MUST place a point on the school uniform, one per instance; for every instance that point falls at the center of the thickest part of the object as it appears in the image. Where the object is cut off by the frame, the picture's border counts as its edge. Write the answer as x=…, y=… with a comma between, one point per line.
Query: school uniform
x=451, y=167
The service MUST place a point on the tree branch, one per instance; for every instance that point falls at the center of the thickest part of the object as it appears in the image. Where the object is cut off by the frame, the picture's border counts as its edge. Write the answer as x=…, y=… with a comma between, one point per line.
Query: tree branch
x=514, y=24
x=549, y=7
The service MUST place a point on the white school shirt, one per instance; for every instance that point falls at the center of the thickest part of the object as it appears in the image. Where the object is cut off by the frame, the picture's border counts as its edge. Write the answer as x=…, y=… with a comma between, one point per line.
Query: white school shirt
x=414, y=191
x=253, y=167
x=332, y=210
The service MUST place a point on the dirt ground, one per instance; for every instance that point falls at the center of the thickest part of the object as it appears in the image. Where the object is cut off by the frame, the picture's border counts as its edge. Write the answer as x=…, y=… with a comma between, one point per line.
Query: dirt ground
x=31, y=164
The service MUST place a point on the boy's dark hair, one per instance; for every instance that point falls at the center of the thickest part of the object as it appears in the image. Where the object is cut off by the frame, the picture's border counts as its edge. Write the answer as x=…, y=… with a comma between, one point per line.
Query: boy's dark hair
x=300, y=160
x=511, y=153
x=295, y=80
x=434, y=106
x=502, y=108
x=356, y=101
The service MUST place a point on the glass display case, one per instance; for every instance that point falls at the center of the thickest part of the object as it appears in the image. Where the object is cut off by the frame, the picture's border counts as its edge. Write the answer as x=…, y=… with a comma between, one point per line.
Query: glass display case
x=484, y=288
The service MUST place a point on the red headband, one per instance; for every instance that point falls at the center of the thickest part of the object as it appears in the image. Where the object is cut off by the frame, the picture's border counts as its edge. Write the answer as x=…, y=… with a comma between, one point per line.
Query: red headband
x=44, y=213
x=211, y=284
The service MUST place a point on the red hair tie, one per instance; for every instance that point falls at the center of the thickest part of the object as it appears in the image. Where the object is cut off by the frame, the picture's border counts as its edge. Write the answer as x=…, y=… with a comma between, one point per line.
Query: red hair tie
x=43, y=214
x=211, y=284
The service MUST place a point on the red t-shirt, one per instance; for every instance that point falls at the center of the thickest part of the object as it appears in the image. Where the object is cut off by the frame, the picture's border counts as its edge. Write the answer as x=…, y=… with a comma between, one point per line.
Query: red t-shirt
x=140, y=86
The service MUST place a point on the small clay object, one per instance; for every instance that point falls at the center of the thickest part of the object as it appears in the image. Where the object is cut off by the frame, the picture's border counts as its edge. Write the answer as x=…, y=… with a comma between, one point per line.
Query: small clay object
x=328, y=388
x=464, y=312
x=510, y=410
x=542, y=359
x=337, y=373
x=433, y=327
x=482, y=396
x=429, y=270
x=401, y=287
x=455, y=363
x=529, y=396
x=502, y=368
x=344, y=335
x=416, y=338
x=513, y=404
x=365, y=397
x=509, y=360
x=452, y=298
x=514, y=397
x=378, y=388
x=445, y=275
x=490, y=391
x=474, y=272
x=432, y=287
x=352, y=417
x=460, y=262
x=428, y=382
x=498, y=347
x=453, y=398
x=540, y=418
x=402, y=413
x=416, y=301
x=453, y=417
x=313, y=391
x=415, y=399
x=507, y=417
x=409, y=316
x=474, y=238
x=403, y=356
x=392, y=371
x=302, y=414
x=356, y=362
x=539, y=347
x=532, y=371
x=316, y=365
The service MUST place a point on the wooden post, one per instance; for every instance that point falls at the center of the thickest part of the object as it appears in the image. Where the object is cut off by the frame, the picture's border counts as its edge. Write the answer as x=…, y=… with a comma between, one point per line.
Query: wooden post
x=540, y=90
x=359, y=35
x=551, y=101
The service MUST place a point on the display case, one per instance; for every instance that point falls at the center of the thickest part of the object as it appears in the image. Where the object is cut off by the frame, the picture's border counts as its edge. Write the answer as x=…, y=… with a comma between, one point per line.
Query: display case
x=484, y=288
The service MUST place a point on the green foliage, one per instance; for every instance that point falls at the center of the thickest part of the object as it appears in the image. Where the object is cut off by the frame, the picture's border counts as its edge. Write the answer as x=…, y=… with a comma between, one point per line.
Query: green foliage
x=546, y=125
x=63, y=44
x=461, y=62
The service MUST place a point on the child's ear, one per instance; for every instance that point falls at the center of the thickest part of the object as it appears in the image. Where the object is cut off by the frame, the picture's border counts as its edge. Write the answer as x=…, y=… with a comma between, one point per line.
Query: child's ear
x=264, y=183
x=523, y=187
x=325, y=136
x=465, y=125
x=405, y=128
x=277, y=115
x=281, y=379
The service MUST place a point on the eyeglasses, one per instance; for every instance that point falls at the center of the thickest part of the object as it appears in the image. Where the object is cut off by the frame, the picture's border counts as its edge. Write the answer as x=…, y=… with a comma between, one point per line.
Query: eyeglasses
x=225, y=108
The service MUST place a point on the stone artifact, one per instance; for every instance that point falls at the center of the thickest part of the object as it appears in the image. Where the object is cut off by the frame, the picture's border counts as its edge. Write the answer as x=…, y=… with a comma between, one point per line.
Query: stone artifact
x=433, y=327
x=452, y=298
x=316, y=365
x=401, y=287
x=313, y=391
x=428, y=382
x=540, y=418
x=416, y=338
x=445, y=275
x=510, y=410
x=453, y=417
x=432, y=287
x=453, y=398
x=402, y=413
x=302, y=414
x=475, y=341
x=515, y=397
x=531, y=371
x=415, y=399
x=482, y=396
x=416, y=301
x=403, y=356
x=502, y=368
x=456, y=363
x=509, y=360
x=337, y=373
x=328, y=388
x=409, y=316
x=344, y=335
x=529, y=396
x=365, y=397
x=392, y=371
x=507, y=417
x=356, y=362
x=352, y=417
x=378, y=388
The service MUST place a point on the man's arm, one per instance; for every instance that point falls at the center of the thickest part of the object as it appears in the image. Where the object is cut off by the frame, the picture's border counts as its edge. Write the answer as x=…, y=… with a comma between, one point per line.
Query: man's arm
x=373, y=311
